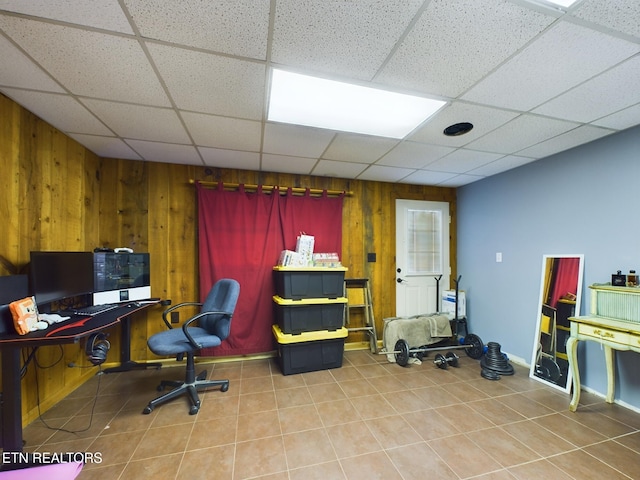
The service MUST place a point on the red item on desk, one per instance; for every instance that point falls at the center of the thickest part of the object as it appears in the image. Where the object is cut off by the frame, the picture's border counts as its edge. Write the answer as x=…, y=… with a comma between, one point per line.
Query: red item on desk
x=79, y=323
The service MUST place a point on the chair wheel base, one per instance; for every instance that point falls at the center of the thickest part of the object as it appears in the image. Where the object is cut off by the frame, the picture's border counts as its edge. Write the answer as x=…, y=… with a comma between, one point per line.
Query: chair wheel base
x=147, y=410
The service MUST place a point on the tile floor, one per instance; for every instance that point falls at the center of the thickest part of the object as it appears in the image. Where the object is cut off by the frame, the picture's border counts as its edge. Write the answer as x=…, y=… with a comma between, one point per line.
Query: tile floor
x=367, y=420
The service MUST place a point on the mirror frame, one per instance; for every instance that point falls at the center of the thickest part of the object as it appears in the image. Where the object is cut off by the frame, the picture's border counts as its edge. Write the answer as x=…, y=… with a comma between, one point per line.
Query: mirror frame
x=546, y=270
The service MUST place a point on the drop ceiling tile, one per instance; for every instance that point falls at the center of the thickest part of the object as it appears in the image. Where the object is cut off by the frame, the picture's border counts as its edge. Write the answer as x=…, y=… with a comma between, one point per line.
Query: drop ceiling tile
x=460, y=180
x=207, y=83
x=520, y=133
x=89, y=63
x=62, y=111
x=484, y=119
x=105, y=14
x=564, y=56
x=621, y=120
x=283, y=163
x=217, y=157
x=295, y=141
x=428, y=177
x=332, y=168
x=235, y=28
x=223, y=132
x=620, y=15
x=455, y=43
x=349, y=38
x=413, y=155
x=358, y=148
x=166, y=152
x=23, y=72
x=565, y=141
x=599, y=96
x=106, y=147
x=502, y=165
x=381, y=173
x=463, y=160
x=140, y=122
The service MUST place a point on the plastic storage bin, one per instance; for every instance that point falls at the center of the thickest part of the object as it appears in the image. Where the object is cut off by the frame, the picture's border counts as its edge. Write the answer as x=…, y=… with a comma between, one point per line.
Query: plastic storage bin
x=310, y=351
x=298, y=316
x=309, y=282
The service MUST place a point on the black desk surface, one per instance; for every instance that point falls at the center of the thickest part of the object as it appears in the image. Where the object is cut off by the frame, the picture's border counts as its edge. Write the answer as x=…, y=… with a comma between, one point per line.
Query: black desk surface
x=78, y=326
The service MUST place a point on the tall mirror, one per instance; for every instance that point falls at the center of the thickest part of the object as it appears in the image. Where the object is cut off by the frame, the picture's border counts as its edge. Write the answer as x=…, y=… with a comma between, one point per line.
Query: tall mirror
x=560, y=289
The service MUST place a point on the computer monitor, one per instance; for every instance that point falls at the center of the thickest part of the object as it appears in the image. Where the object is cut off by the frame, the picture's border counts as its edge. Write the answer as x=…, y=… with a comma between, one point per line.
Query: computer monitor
x=12, y=288
x=56, y=276
x=121, y=277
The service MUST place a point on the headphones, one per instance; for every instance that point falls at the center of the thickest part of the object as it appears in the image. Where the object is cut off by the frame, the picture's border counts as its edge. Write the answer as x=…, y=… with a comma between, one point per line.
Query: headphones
x=97, y=348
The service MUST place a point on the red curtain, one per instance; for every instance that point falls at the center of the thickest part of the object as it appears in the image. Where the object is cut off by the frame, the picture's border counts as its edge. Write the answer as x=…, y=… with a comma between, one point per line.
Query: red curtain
x=566, y=278
x=241, y=235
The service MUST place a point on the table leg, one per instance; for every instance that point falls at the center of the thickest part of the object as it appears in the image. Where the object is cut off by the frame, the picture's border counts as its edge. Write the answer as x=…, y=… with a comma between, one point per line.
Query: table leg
x=611, y=373
x=126, y=364
x=11, y=400
x=572, y=353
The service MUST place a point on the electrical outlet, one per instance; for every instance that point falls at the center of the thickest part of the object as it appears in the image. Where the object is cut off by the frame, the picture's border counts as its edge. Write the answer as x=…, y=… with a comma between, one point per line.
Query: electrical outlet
x=371, y=257
x=498, y=257
x=175, y=317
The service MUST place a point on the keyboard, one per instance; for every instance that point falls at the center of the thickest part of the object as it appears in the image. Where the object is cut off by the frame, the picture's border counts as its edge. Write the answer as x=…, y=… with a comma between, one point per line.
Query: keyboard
x=96, y=309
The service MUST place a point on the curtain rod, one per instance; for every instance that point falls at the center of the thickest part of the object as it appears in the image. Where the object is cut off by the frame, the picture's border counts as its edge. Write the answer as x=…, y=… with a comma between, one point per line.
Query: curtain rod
x=271, y=188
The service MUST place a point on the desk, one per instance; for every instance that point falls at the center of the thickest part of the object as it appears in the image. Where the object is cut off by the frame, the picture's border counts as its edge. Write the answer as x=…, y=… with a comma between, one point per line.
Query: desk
x=612, y=334
x=69, y=331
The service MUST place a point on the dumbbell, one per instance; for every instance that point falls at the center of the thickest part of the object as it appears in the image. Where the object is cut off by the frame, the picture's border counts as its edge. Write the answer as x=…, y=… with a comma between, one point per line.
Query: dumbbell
x=443, y=361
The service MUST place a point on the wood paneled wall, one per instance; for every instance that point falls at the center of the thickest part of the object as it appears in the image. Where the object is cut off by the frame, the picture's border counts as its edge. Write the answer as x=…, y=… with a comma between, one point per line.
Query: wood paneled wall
x=60, y=196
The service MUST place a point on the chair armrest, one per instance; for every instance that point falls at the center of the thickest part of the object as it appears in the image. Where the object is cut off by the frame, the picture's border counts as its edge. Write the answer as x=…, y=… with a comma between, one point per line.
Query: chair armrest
x=175, y=307
x=186, y=324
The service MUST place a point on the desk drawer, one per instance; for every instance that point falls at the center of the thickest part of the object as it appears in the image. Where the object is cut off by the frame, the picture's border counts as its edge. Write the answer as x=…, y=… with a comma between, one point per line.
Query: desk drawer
x=604, y=334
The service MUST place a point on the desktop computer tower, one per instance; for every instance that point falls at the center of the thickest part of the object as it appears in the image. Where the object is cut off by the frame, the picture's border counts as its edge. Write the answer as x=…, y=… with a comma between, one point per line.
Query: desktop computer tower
x=121, y=277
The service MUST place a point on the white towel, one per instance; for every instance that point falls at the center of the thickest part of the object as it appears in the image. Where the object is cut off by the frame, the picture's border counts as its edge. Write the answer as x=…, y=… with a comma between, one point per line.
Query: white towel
x=416, y=331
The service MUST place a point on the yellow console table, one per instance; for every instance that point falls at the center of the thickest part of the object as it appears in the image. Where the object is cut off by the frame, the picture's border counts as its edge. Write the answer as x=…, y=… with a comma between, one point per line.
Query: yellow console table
x=612, y=334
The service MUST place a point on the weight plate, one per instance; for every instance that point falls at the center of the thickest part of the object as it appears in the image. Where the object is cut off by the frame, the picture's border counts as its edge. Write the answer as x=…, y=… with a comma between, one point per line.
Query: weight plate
x=452, y=359
x=475, y=347
x=440, y=361
x=402, y=352
x=489, y=374
x=552, y=368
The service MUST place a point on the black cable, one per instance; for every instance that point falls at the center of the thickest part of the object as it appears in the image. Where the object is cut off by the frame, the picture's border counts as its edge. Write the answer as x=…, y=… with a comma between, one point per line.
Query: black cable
x=27, y=361
x=37, y=364
x=95, y=400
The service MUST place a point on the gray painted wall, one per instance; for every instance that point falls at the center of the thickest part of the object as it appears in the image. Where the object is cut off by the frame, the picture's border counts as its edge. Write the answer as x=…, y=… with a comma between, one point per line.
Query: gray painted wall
x=582, y=201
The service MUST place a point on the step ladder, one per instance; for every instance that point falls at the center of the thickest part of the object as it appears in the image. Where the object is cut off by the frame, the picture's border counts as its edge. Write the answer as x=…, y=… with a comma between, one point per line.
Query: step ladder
x=358, y=294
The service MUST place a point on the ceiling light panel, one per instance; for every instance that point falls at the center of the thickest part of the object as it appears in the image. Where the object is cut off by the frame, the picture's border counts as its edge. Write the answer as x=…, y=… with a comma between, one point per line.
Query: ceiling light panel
x=316, y=102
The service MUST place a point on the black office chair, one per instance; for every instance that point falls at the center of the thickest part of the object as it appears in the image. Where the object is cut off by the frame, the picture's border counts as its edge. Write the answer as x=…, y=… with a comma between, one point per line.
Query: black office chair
x=212, y=327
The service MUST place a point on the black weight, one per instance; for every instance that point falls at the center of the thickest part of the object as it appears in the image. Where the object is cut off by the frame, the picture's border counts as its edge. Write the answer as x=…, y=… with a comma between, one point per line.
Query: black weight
x=440, y=361
x=452, y=359
x=402, y=352
x=421, y=352
x=475, y=347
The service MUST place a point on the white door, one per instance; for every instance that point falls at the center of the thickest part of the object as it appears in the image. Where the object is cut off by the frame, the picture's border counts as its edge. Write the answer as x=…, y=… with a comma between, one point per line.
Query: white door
x=422, y=256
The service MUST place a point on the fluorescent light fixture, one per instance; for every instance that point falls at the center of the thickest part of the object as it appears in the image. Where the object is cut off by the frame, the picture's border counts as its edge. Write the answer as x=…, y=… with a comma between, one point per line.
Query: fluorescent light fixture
x=562, y=3
x=316, y=102
x=555, y=3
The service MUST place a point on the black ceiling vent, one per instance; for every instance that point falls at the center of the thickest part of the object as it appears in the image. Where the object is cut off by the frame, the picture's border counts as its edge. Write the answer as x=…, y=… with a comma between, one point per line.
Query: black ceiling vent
x=458, y=129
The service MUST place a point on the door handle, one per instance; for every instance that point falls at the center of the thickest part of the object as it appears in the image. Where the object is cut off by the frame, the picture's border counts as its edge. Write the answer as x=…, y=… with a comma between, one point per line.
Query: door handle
x=400, y=280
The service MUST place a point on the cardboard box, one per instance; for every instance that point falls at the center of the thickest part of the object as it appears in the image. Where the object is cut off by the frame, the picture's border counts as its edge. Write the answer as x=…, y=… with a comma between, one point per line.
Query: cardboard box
x=311, y=351
x=449, y=302
x=307, y=315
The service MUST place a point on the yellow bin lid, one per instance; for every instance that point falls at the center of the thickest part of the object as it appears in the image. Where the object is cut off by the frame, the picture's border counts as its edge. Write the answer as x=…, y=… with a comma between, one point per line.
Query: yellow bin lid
x=280, y=268
x=307, y=301
x=286, y=338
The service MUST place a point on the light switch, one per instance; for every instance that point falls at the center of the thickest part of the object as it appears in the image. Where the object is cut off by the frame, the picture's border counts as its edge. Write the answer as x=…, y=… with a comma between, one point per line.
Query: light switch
x=498, y=257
